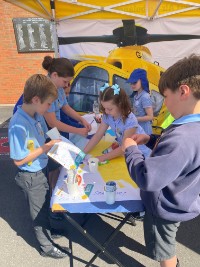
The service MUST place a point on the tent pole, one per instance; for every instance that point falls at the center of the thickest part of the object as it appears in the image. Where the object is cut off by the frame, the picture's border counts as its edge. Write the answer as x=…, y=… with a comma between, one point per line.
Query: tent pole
x=54, y=31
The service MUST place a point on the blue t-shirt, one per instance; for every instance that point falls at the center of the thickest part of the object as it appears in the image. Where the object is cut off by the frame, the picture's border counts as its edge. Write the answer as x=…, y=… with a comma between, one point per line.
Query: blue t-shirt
x=58, y=103
x=24, y=131
x=142, y=101
x=119, y=127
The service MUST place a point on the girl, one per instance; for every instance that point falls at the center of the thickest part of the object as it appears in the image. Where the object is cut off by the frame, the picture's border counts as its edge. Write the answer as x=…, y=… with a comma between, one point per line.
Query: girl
x=117, y=114
x=142, y=105
x=61, y=72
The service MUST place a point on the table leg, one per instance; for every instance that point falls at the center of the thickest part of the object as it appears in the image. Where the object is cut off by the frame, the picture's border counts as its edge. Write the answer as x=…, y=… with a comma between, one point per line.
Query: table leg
x=101, y=248
x=110, y=238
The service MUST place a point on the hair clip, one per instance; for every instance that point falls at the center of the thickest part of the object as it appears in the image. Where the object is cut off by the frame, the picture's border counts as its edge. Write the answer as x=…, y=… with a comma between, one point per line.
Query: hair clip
x=116, y=89
x=105, y=86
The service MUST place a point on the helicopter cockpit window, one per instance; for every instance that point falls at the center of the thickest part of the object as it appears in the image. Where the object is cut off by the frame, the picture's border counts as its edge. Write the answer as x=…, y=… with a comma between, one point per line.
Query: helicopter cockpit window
x=85, y=88
x=157, y=102
x=123, y=84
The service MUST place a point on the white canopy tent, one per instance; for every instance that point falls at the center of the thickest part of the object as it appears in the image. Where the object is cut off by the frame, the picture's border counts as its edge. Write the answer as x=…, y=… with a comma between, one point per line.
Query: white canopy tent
x=157, y=16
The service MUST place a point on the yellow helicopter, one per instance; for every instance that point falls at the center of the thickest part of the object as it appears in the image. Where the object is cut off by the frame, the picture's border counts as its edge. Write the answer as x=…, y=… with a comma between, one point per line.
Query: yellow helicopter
x=93, y=71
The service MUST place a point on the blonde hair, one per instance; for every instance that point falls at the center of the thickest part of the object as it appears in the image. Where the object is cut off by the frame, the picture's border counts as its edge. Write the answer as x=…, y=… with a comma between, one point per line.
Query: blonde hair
x=41, y=86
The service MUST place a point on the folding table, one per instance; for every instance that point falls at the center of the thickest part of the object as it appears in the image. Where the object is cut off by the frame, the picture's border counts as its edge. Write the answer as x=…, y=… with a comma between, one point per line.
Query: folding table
x=92, y=199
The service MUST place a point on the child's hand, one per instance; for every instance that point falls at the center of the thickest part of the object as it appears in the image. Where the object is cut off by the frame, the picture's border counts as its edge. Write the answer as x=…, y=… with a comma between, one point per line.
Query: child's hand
x=51, y=143
x=128, y=142
x=102, y=158
x=140, y=139
x=83, y=131
x=86, y=124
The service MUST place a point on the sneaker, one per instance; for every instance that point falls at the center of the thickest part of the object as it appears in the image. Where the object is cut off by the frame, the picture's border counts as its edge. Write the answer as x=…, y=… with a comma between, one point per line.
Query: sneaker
x=138, y=216
x=65, y=249
x=55, y=253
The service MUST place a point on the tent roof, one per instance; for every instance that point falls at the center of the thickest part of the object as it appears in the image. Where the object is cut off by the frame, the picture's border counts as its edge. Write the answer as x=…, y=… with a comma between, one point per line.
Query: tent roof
x=110, y=9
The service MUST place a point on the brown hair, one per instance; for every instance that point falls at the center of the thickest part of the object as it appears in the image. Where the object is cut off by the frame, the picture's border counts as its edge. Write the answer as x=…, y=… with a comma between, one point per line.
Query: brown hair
x=62, y=66
x=41, y=86
x=121, y=100
x=185, y=71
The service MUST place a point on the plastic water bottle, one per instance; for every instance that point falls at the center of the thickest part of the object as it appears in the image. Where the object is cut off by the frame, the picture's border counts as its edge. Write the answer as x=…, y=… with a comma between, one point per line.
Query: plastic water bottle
x=96, y=107
x=96, y=111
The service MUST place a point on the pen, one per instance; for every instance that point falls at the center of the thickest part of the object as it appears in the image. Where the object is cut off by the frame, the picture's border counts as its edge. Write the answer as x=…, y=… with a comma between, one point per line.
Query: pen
x=91, y=122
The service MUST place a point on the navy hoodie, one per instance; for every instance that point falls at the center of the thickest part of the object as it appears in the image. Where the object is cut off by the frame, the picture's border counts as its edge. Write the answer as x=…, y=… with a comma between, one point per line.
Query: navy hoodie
x=170, y=178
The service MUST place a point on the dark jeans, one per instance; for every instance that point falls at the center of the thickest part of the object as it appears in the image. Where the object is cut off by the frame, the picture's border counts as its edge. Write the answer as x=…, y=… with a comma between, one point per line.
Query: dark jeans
x=36, y=190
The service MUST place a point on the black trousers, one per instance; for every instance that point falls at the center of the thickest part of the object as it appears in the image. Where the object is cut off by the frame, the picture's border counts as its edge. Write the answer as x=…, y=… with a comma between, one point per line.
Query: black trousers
x=36, y=190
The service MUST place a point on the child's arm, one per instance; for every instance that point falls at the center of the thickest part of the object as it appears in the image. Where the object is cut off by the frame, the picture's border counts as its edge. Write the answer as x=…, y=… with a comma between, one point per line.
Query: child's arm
x=36, y=153
x=141, y=139
x=148, y=116
x=73, y=114
x=135, y=140
x=118, y=151
x=96, y=138
x=53, y=122
x=127, y=143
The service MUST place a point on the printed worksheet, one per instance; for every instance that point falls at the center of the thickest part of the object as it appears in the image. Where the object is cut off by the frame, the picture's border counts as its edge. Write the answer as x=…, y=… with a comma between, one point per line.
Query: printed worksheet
x=67, y=154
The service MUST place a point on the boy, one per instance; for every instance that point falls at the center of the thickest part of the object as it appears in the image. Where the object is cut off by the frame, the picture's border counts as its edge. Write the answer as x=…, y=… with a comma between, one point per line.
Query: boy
x=27, y=136
x=170, y=178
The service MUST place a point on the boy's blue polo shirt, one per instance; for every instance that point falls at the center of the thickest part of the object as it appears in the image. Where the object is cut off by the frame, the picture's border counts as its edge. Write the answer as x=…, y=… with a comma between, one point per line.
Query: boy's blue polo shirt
x=58, y=103
x=23, y=129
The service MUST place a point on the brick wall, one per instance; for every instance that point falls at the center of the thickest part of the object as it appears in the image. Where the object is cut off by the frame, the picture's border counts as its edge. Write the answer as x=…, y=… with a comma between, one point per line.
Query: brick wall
x=15, y=68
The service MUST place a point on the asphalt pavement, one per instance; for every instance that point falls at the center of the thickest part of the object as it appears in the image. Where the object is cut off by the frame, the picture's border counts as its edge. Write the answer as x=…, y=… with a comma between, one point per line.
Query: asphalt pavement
x=19, y=246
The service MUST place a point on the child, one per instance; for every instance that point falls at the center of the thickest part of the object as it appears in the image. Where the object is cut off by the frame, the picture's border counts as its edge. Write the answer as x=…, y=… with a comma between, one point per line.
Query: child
x=61, y=72
x=117, y=114
x=65, y=118
x=169, y=180
x=27, y=130
x=142, y=104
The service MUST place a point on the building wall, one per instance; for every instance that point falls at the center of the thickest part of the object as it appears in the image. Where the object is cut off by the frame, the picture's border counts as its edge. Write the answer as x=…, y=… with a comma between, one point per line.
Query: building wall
x=15, y=67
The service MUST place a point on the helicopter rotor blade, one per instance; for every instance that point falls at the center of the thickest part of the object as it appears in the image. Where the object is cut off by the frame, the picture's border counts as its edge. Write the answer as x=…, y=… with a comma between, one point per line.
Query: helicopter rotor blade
x=152, y=38
x=128, y=34
x=84, y=39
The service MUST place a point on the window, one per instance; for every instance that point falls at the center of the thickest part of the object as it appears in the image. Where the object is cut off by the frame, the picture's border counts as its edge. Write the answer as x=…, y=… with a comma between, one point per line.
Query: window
x=124, y=85
x=85, y=88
